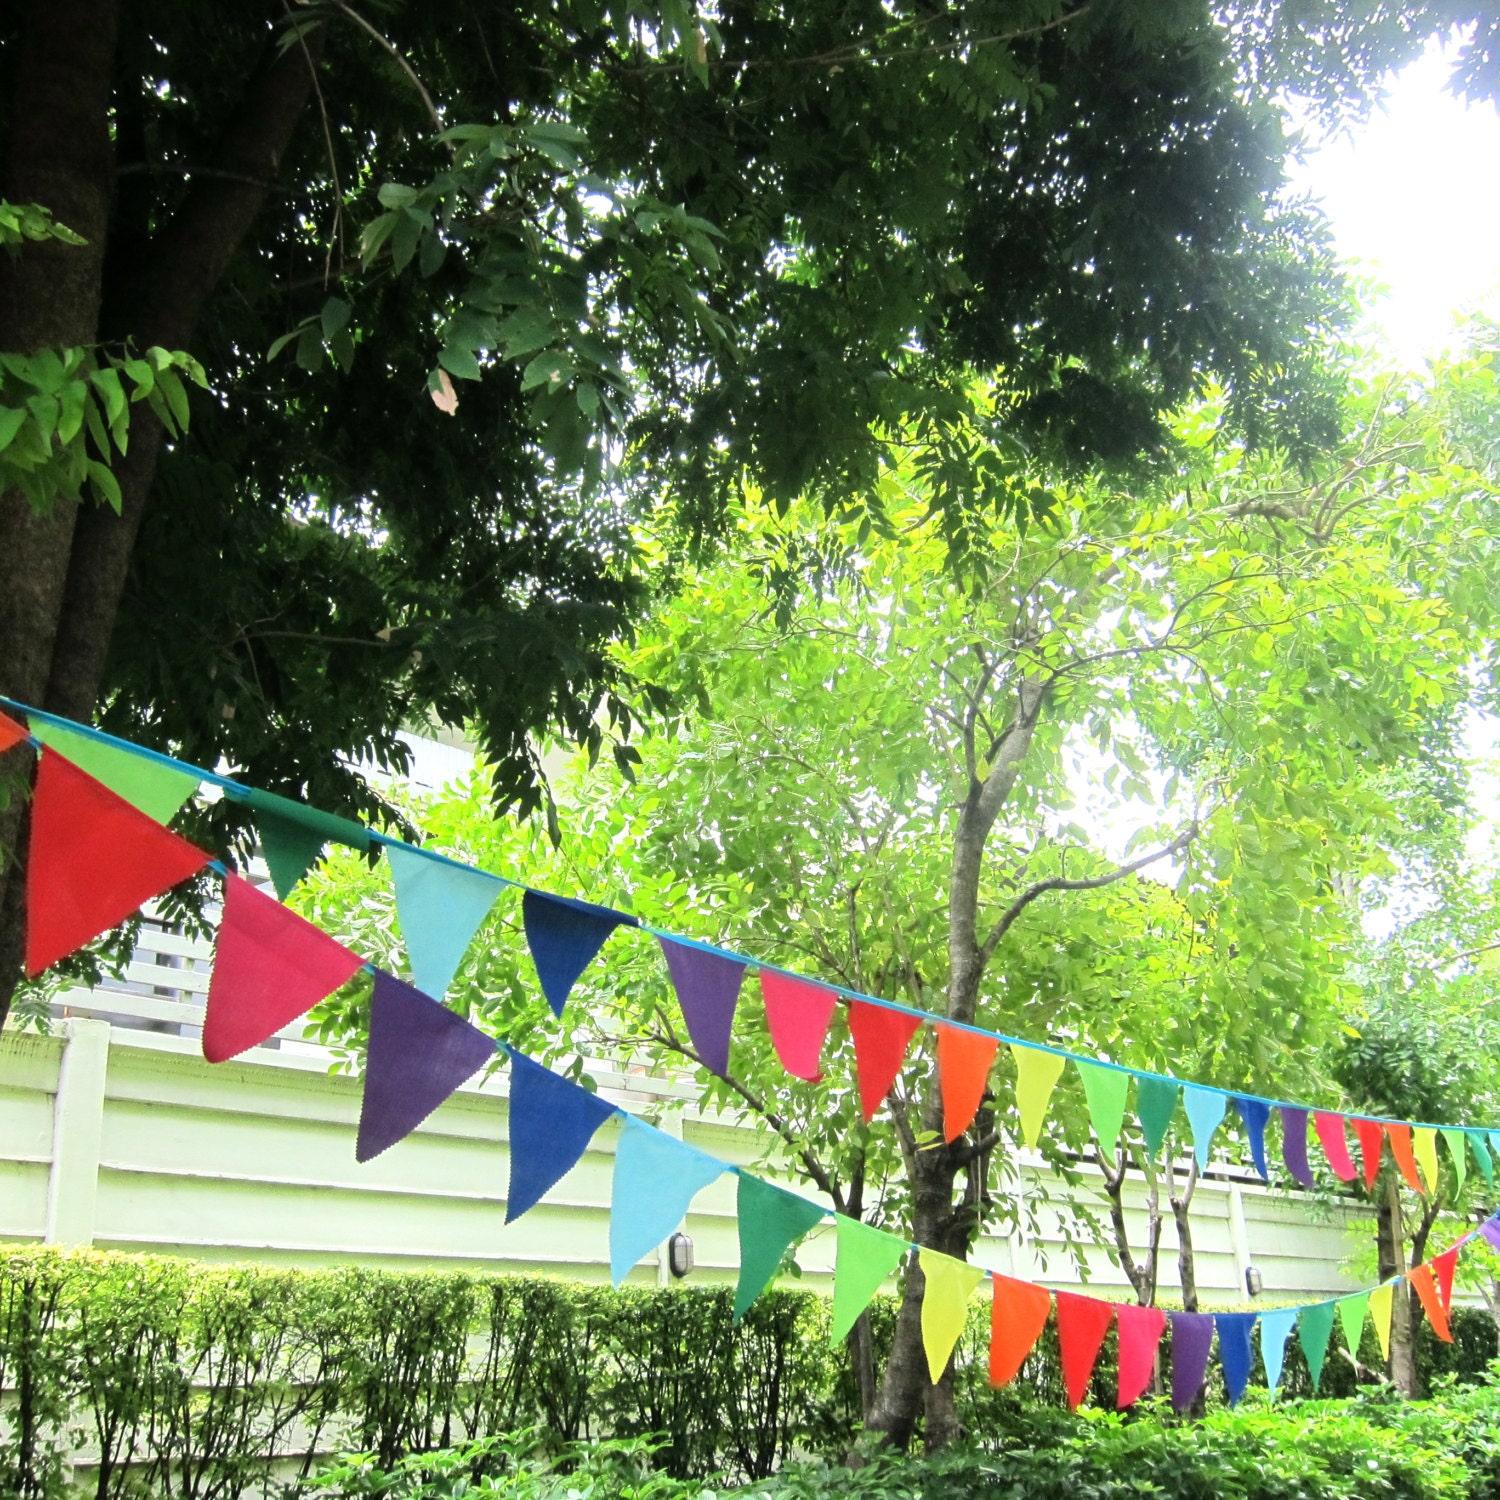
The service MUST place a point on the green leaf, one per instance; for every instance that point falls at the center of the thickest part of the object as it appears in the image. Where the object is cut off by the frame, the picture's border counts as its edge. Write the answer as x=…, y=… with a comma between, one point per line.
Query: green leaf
x=335, y=315
x=11, y=421
x=459, y=362
x=104, y=481
x=396, y=195
x=550, y=368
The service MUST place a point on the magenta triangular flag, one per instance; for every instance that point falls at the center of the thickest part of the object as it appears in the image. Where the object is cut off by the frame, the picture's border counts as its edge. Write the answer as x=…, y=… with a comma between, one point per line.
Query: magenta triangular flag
x=420, y=1051
x=269, y=968
x=797, y=1014
x=708, y=989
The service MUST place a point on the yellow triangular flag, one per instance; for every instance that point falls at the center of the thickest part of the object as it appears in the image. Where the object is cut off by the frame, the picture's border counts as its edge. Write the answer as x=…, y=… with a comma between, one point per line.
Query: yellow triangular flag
x=1036, y=1076
x=1424, y=1148
x=1380, y=1315
x=945, y=1305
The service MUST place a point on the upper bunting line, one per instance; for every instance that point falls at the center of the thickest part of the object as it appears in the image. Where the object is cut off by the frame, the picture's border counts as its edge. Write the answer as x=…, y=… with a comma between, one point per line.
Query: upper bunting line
x=241, y=792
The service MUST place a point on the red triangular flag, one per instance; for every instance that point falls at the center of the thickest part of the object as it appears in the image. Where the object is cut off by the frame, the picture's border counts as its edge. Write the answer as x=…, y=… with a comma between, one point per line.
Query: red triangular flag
x=94, y=860
x=1400, y=1138
x=1422, y=1284
x=964, y=1059
x=1141, y=1329
x=1335, y=1144
x=1443, y=1268
x=269, y=967
x=1018, y=1313
x=880, y=1040
x=11, y=733
x=1082, y=1323
x=797, y=1014
x=1371, y=1137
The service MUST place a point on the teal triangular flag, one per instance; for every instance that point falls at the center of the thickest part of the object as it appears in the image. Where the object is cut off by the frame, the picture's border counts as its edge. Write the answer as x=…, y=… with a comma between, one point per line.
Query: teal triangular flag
x=1205, y=1112
x=656, y=1177
x=770, y=1219
x=289, y=849
x=1155, y=1103
x=1482, y=1156
x=440, y=906
x=1314, y=1325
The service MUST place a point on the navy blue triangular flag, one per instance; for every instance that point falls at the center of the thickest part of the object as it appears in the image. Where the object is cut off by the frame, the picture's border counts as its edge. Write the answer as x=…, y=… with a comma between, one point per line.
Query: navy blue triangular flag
x=419, y=1053
x=552, y=1121
x=564, y=935
x=1255, y=1113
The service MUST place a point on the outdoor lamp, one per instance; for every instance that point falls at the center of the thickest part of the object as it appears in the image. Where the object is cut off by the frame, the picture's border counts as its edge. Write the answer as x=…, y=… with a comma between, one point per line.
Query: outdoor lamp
x=679, y=1254
x=1253, y=1282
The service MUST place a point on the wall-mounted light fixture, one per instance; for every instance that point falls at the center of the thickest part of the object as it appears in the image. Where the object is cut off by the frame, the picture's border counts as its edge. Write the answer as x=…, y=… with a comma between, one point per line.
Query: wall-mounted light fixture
x=679, y=1254
x=1253, y=1282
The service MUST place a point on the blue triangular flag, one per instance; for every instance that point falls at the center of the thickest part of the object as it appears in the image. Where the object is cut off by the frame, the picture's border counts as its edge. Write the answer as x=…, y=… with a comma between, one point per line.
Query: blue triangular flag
x=564, y=935
x=656, y=1177
x=1276, y=1326
x=419, y=1053
x=441, y=906
x=1204, y=1109
x=1234, y=1331
x=552, y=1121
x=1255, y=1113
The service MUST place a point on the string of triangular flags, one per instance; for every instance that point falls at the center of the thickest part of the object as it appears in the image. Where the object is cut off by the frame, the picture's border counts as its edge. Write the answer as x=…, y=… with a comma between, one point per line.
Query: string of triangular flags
x=97, y=855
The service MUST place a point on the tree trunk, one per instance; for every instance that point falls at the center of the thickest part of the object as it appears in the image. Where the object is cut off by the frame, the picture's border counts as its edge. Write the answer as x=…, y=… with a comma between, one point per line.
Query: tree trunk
x=1390, y=1241
x=1187, y=1269
x=1140, y=1272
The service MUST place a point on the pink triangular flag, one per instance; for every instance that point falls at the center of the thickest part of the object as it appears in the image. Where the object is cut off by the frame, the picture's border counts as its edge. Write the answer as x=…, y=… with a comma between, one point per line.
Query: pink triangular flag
x=797, y=1014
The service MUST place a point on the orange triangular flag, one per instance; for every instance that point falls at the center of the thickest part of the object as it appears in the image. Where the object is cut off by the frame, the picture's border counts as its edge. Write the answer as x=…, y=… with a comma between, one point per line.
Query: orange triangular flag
x=1018, y=1313
x=1400, y=1139
x=1422, y=1284
x=964, y=1059
x=880, y=1040
x=11, y=733
x=1443, y=1268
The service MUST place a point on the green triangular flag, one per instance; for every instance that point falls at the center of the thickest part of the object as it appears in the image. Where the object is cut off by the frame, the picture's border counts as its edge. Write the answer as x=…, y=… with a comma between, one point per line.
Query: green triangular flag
x=1458, y=1154
x=1105, y=1090
x=866, y=1256
x=1155, y=1103
x=770, y=1219
x=1352, y=1318
x=292, y=836
x=157, y=790
x=1482, y=1156
x=1314, y=1325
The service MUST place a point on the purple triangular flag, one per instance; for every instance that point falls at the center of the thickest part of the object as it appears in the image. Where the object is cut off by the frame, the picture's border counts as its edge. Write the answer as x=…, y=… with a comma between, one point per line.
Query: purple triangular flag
x=708, y=989
x=1192, y=1338
x=1490, y=1232
x=1294, y=1143
x=1255, y=1112
x=565, y=935
x=552, y=1121
x=419, y=1053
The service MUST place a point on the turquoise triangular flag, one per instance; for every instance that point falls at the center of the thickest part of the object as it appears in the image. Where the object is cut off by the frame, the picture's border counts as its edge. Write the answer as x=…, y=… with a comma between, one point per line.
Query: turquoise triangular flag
x=440, y=906
x=656, y=1177
x=1275, y=1329
x=1205, y=1111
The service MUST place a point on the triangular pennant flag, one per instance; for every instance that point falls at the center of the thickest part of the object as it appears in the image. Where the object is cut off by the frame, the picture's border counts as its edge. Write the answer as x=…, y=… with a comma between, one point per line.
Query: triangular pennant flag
x=797, y=1015
x=269, y=968
x=1140, y=1331
x=880, y=1037
x=1234, y=1330
x=656, y=1178
x=1424, y=1149
x=1401, y=1149
x=551, y=1122
x=1381, y=1300
x=292, y=835
x=1155, y=1104
x=1294, y=1147
x=1018, y=1313
x=1422, y=1283
x=1493, y=1138
x=440, y=906
x=11, y=733
x=1255, y=1113
x=1192, y=1338
x=708, y=989
x=1489, y=1232
x=865, y=1257
x=1082, y=1323
x=1037, y=1073
x=770, y=1219
x=1351, y=1312
x=1482, y=1156
x=1275, y=1329
x=1105, y=1090
x=1444, y=1268
x=964, y=1059
x=153, y=786
x=1458, y=1153
x=564, y=936
x=419, y=1052
x=94, y=860
x=948, y=1285
x=1314, y=1325
x=1204, y=1109
x=1371, y=1137
x=1335, y=1143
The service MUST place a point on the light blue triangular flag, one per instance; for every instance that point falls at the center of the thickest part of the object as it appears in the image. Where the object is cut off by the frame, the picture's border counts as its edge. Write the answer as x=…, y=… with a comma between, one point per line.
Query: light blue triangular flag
x=656, y=1177
x=1276, y=1326
x=440, y=906
x=1205, y=1111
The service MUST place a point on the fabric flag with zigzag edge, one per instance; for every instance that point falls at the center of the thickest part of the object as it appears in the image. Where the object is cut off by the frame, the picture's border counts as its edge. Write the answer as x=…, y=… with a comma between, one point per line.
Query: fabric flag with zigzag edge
x=797, y=1016
x=1205, y=1111
x=881, y=1038
x=269, y=968
x=1234, y=1330
x=1276, y=1326
x=947, y=1286
x=157, y=789
x=1381, y=1300
x=1489, y=1232
x=1493, y=1138
x=419, y=1052
x=1192, y=1338
x=94, y=860
x=656, y=1178
x=1018, y=1313
x=1294, y=1144
x=1399, y=1136
x=708, y=990
x=1082, y=1323
x=1314, y=1327
x=1352, y=1312
x=1482, y=1156
x=1424, y=1149
x=770, y=1219
x=1458, y=1153
x=1254, y=1113
x=1371, y=1137
x=1335, y=1143
x=1444, y=1268
x=1105, y=1091
x=565, y=936
x=11, y=733
x=1424, y=1285
x=1140, y=1331
x=864, y=1259
x=1037, y=1073
x=292, y=835
x=964, y=1061
x=1155, y=1104
x=550, y=1124
x=440, y=905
